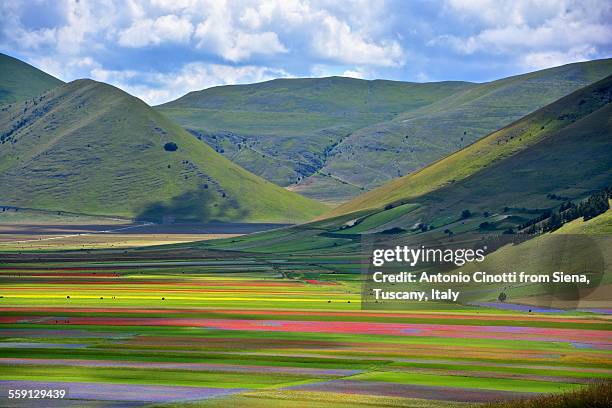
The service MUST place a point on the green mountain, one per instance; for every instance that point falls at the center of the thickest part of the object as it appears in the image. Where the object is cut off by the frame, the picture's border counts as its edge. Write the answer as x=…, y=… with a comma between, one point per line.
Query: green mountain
x=285, y=129
x=578, y=120
x=88, y=147
x=20, y=81
x=412, y=140
x=333, y=138
x=560, y=153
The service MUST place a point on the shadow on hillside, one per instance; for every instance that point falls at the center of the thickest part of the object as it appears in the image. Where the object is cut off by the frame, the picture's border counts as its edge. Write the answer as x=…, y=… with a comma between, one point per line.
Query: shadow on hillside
x=192, y=206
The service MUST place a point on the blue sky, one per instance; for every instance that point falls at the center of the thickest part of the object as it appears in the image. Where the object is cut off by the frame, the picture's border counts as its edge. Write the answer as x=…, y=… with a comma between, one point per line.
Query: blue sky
x=159, y=50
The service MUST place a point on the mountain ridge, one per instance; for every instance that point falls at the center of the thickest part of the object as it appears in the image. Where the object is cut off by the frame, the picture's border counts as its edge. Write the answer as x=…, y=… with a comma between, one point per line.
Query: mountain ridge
x=533, y=128
x=21, y=81
x=333, y=159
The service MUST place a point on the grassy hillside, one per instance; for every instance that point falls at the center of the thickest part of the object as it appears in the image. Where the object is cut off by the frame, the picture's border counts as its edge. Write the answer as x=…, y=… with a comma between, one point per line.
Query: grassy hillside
x=373, y=155
x=600, y=225
x=20, y=81
x=284, y=129
x=582, y=113
x=560, y=153
x=331, y=95
x=91, y=148
x=333, y=138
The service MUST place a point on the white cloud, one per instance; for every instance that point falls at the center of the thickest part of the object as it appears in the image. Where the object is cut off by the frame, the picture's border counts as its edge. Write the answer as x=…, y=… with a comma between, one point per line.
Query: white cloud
x=177, y=5
x=336, y=40
x=239, y=32
x=67, y=69
x=422, y=77
x=113, y=76
x=351, y=39
x=37, y=39
x=251, y=18
x=78, y=21
x=354, y=74
x=555, y=34
x=215, y=42
x=540, y=60
x=515, y=12
x=235, y=45
x=539, y=34
x=168, y=28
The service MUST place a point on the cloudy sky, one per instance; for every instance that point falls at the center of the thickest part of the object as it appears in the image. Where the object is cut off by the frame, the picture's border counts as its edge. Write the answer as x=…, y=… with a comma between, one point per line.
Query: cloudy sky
x=159, y=50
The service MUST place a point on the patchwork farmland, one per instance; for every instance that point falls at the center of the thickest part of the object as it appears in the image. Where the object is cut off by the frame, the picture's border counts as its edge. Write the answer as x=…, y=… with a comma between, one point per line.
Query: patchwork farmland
x=158, y=327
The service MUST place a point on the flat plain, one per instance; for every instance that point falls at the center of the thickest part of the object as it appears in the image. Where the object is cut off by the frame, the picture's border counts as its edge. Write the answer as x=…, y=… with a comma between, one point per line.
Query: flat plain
x=157, y=327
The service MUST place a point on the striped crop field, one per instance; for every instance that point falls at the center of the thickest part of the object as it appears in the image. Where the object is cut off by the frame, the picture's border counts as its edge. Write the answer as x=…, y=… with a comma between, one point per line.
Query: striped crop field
x=245, y=332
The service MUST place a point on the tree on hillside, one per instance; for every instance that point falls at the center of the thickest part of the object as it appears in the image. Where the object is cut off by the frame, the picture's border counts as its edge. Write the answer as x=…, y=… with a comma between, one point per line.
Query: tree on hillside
x=171, y=147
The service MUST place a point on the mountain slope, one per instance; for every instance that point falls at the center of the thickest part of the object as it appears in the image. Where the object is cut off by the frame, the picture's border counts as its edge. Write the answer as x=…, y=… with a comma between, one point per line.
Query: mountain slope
x=284, y=129
x=20, y=81
x=600, y=225
x=581, y=119
x=560, y=153
x=375, y=154
x=91, y=148
x=333, y=138
x=330, y=95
